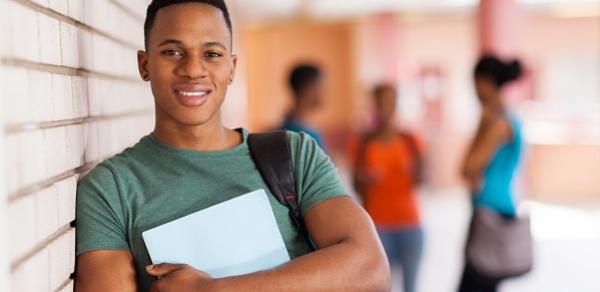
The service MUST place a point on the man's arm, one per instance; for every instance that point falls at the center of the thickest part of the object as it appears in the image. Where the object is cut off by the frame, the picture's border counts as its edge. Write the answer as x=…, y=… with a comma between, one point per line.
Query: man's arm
x=350, y=256
x=105, y=270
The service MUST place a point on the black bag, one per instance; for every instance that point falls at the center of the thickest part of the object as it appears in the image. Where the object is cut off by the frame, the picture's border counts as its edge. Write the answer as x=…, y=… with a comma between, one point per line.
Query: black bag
x=499, y=247
x=271, y=154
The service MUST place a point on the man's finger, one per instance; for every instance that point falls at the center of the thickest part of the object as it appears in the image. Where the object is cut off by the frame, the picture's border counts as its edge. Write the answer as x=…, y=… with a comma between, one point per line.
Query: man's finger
x=163, y=269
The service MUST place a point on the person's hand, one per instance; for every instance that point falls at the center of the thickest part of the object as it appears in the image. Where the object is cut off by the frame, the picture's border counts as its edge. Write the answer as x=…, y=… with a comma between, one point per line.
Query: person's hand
x=179, y=278
x=365, y=179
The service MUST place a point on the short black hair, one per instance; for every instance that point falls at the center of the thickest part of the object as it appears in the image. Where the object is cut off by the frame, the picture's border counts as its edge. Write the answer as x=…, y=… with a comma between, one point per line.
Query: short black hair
x=156, y=5
x=500, y=72
x=382, y=88
x=303, y=75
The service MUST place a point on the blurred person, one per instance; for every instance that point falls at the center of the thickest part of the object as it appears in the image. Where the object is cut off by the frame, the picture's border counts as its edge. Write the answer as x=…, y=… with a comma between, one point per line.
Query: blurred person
x=388, y=166
x=191, y=162
x=492, y=159
x=306, y=84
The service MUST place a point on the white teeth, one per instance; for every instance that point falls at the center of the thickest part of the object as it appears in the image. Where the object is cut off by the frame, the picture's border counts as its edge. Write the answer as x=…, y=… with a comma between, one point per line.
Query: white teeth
x=192, y=93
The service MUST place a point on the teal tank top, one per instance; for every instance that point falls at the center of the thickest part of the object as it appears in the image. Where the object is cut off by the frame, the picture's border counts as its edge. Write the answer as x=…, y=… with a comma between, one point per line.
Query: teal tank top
x=501, y=187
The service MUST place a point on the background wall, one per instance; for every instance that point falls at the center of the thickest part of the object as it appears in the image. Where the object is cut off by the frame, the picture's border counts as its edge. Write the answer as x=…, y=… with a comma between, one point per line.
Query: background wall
x=272, y=51
x=560, y=113
x=72, y=97
x=4, y=264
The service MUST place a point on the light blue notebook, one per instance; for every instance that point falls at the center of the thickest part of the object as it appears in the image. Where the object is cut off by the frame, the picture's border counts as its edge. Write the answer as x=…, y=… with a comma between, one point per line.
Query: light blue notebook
x=236, y=237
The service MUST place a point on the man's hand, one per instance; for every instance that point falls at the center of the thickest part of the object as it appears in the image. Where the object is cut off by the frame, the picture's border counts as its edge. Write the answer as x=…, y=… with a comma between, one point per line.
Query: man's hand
x=179, y=278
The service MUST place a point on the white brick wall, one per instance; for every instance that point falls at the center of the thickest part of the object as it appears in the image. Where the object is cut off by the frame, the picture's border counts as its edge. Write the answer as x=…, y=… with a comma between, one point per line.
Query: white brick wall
x=4, y=249
x=59, y=121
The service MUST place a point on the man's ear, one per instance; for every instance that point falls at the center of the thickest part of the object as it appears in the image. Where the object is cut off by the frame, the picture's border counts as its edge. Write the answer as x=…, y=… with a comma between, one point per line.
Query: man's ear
x=234, y=59
x=143, y=65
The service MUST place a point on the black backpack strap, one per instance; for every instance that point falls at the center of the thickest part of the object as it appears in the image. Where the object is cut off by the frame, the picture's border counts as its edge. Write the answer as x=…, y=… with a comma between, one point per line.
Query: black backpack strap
x=271, y=154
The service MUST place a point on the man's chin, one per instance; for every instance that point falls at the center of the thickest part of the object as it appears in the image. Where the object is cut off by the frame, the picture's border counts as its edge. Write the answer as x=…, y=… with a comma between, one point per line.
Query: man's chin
x=183, y=121
x=195, y=122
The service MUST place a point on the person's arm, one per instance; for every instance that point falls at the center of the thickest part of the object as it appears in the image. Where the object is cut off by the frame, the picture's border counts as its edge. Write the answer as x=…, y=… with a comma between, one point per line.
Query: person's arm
x=350, y=258
x=490, y=136
x=362, y=177
x=105, y=270
x=104, y=261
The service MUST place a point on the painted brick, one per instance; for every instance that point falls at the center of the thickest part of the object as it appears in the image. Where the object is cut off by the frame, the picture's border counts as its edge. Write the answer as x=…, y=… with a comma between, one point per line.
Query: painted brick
x=32, y=275
x=109, y=137
x=50, y=38
x=32, y=157
x=4, y=27
x=41, y=101
x=74, y=143
x=96, y=90
x=62, y=94
x=103, y=60
x=138, y=6
x=112, y=27
x=76, y=9
x=61, y=6
x=16, y=99
x=96, y=13
x=11, y=165
x=41, y=2
x=24, y=33
x=46, y=210
x=66, y=200
x=68, y=287
x=80, y=97
x=21, y=226
x=68, y=40
x=91, y=138
x=61, y=255
x=86, y=48
x=55, y=145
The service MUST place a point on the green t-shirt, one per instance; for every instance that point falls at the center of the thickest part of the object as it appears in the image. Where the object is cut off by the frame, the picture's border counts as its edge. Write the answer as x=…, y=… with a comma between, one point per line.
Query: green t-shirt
x=151, y=183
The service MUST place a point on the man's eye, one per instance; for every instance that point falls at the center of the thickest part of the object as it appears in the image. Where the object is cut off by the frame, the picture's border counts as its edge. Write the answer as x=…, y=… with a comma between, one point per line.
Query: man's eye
x=213, y=54
x=172, y=52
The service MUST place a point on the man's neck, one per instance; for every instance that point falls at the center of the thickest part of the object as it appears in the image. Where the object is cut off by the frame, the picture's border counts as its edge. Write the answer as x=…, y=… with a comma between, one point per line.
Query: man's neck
x=212, y=136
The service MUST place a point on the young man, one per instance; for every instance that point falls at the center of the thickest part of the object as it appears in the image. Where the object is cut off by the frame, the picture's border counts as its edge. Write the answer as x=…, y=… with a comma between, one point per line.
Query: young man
x=307, y=89
x=191, y=162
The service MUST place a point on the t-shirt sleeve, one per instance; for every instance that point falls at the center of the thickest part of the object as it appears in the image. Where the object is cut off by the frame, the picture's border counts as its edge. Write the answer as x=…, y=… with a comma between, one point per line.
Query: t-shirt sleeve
x=317, y=179
x=100, y=223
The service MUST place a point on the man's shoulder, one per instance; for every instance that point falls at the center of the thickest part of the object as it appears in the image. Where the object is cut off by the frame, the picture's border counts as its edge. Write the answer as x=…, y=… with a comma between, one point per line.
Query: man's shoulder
x=301, y=142
x=116, y=165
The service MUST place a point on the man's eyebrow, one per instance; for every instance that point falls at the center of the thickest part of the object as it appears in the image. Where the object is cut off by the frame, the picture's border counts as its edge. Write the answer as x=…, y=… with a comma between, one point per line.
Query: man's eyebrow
x=211, y=44
x=170, y=41
x=178, y=42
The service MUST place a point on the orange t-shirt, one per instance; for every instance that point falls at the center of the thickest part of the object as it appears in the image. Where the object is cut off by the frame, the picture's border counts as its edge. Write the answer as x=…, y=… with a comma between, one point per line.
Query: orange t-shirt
x=389, y=200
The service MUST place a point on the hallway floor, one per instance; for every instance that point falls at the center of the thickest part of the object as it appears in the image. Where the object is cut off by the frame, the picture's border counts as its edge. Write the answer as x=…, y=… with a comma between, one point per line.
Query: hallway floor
x=567, y=247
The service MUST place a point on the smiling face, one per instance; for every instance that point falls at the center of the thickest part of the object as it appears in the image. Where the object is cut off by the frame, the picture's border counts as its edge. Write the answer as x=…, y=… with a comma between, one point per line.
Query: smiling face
x=188, y=63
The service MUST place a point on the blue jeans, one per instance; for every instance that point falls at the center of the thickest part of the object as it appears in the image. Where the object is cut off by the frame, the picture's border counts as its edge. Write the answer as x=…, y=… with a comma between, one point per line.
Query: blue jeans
x=404, y=248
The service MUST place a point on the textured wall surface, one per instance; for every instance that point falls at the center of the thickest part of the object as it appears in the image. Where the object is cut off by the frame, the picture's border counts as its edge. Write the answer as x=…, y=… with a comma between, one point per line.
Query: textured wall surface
x=71, y=97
